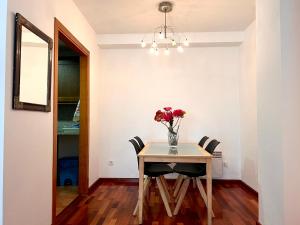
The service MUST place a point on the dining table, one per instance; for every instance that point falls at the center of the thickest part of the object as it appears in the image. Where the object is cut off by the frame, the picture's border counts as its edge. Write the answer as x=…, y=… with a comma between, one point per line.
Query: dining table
x=182, y=153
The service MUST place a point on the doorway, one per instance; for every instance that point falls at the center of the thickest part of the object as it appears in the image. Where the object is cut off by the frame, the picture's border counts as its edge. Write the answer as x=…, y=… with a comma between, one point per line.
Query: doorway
x=70, y=123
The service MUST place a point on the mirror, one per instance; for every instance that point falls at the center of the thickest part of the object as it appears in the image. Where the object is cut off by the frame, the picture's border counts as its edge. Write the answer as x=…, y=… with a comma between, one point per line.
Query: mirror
x=32, y=67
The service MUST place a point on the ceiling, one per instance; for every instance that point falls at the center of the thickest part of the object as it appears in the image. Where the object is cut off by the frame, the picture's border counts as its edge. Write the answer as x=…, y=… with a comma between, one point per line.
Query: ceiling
x=142, y=16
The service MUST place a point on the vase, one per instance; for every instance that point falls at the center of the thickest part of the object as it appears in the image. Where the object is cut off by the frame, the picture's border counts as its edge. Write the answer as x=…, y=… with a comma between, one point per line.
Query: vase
x=173, y=139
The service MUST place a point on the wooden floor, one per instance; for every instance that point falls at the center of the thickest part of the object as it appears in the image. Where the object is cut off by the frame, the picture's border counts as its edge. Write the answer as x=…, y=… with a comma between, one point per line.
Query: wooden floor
x=113, y=203
x=64, y=196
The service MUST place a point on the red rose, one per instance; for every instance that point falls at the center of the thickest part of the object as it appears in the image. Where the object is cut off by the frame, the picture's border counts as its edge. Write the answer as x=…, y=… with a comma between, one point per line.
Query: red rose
x=159, y=116
x=168, y=108
x=178, y=113
x=168, y=116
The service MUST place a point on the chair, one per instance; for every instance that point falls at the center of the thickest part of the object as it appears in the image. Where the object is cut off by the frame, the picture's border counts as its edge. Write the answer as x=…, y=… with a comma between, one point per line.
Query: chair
x=193, y=170
x=179, y=180
x=142, y=145
x=202, y=141
x=156, y=170
x=139, y=140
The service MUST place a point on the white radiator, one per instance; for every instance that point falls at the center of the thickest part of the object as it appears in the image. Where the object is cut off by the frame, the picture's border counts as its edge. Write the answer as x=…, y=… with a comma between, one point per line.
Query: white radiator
x=217, y=164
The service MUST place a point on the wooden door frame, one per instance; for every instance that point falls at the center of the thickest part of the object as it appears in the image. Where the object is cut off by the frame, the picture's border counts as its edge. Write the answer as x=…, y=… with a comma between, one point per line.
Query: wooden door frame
x=62, y=33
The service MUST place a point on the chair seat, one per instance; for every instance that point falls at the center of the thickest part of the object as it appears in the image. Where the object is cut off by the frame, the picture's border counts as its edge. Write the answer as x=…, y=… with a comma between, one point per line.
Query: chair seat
x=157, y=169
x=190, y=169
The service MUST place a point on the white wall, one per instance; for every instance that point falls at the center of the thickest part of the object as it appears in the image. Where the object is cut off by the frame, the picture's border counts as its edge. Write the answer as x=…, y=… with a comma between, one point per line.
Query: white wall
x=28, y=135
x=3, y=9
x=202, y=81
x=248, y=108
x=270, y=108
x=290, y=36
x=278, y=110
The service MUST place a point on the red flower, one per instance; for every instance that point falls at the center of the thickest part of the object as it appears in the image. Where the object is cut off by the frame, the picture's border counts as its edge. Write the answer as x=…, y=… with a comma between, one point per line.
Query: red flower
x=168, y=108
x=178, y=113
x=168, y=116
x=159, y=116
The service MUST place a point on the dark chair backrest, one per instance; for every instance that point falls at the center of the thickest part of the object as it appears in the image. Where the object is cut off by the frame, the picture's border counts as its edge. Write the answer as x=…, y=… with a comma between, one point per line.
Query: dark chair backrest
x=139, y=140
x=202, y=141
x=136, y=148
x=212, y=146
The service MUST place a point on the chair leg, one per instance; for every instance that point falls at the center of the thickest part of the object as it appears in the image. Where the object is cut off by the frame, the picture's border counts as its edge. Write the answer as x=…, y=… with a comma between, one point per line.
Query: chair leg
x=180, y=190
x=147, y=195
x=178, y=195
x=136, y=209
x=163, y=196
x=146, y=183
x=178, y=185
x=182, y=195
x=165, y=186
x=176, y=181
x=203, y=194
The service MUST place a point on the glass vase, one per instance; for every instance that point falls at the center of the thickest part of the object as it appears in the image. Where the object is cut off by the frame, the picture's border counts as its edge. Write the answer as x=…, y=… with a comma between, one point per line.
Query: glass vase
x=173, y=139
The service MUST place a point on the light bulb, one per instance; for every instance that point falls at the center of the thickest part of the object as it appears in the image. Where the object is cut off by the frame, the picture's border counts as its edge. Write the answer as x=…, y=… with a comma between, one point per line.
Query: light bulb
x=180, y=48
x=167, y=51
x=186, y=42
x=156, y=52
x=151, y=50
x=161, y=35
x=154, y=45
x=173, y=42
x=143, y=44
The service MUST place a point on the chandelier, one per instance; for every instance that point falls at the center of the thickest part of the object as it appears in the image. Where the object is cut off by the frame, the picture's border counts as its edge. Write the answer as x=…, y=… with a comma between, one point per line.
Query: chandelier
x=164, y=36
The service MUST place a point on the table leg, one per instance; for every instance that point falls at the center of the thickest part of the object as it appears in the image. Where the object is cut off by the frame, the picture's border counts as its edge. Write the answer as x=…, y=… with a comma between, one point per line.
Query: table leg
x=141, y=189
x=209, y=191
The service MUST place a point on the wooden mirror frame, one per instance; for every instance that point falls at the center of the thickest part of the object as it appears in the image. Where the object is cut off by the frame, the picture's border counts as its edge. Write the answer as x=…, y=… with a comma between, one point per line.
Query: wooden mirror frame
x=16, y=103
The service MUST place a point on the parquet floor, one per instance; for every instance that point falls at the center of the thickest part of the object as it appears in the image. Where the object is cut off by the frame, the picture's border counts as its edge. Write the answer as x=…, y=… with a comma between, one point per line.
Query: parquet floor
x=64, y=196
x=113, y=203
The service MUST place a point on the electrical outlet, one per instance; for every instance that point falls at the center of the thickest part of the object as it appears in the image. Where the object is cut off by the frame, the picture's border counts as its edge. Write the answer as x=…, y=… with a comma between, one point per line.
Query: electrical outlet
x=110, y=163
x=225, y=164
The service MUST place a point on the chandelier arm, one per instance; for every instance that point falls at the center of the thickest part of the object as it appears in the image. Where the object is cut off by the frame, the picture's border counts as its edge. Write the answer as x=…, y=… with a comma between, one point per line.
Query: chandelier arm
x=159, y=27
x=173, y=32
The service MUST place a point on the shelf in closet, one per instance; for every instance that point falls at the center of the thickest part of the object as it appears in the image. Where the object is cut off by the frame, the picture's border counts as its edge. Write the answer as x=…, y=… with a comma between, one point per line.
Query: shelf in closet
x=68, y=100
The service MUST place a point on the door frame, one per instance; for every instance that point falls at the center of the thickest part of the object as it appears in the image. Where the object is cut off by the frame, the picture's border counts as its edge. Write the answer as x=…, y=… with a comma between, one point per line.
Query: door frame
x=62, y=33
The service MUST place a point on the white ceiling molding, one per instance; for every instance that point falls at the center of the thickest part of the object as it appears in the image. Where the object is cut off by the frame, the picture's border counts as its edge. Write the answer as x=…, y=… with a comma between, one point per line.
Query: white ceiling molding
x=196, y=39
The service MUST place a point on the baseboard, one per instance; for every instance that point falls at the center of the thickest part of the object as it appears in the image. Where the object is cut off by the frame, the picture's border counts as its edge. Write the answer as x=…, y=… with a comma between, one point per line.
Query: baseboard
x=241, y=183
x=249, y=189
x=94, y=186
x=226, y=181
x=134, y=181
x=119, y=180
x=124, y=181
